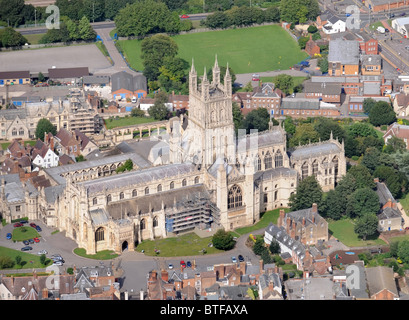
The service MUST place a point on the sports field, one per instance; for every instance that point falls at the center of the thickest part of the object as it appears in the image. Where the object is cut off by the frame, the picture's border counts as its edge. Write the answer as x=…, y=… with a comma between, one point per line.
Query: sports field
x=247, y=50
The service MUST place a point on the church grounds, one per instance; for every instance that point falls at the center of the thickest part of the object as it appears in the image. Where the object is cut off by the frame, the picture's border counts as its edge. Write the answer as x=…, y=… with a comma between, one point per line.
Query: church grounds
x=247, y=50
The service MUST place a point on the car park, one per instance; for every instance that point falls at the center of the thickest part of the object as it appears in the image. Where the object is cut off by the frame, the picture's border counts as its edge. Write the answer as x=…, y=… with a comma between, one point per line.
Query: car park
x=27, y=248
x=9, y=236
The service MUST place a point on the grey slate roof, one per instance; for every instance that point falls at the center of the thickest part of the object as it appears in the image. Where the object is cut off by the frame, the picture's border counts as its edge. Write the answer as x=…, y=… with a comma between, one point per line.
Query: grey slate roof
x=322, y=87
x=95, y=80
x=137, y=177
x=300, y=103
x=305, y=152
x=344, y=51
x=260, y=139
x=124, y=80
x=380, y=278
x=383, y=193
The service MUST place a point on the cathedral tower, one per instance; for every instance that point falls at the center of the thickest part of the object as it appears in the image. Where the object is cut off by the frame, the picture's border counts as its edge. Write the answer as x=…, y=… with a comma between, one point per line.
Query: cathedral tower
x=210, y=116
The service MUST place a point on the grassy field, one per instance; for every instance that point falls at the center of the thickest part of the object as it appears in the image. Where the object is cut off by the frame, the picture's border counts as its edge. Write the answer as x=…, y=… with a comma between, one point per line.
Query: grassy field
x=34, y=38
x=129, y=121
x=19, y=235
x=101, y=255
x=247, y=50
x=343, y=230
x=29, y=261
x=185, y=245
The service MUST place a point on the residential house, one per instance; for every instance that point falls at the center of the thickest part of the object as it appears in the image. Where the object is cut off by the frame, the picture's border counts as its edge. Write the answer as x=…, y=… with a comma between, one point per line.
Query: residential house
x=14, y=77
x=65, y=142
x=270, y=287
x=327, y=92
x=401, y=104
x=43, y=156
x=179, y=101
x=343, y=57
x=35, y=287
x=334, y=25
x=371, y=65
x=312, y=48
x=397, y=130
x=126, y=86
x=389, y=215
x=381, y=283
x=385, y=5
x=296, y=222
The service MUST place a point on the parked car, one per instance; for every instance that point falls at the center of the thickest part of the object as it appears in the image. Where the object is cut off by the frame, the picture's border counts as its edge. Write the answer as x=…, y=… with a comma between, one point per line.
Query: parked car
x=38, y=228
x=403, y=14
x=256, y=77
x=27, y=248
x=33, y=225
x=58, y=263
x=31, y=241
x=184, y=16
x=241, y=259
x=9, y=236
x=188, y=264
x=392, y=15
x=26, y=242
x=182, y=264
x=23, y=221
x=42, y=252
x=170, y=266
x=36, y=240
x=233, y=259
x=17, y=224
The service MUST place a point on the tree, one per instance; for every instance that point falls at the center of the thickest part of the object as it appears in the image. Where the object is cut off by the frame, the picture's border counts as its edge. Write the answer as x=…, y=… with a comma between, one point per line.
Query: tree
x=238, y=118
x=395, y=144
x=41, y=77
x=127, y=166
x=154, y=50
x=44, y=126
x=10, y=11
x=11, y=38
x=272, y=14
x=302, y=41
x=323, y=64
x=284, y=82
x=85, y=30
x=299, y=11
x=361, y=129
x=304, y=134
x=325, y=127
x=371, y=158
x=368, y=104
x=274, y=247
x=335, y=205
x=259, y=247
x=307, y=193
x=312, y=29
x=366, y=225
x=223, y=240
x=257, y=119
x=136, y=112
x=159, y=111
x=362, y=177
x=217, y=20
x=362, y=201
x=381, y=113
x=403, y=250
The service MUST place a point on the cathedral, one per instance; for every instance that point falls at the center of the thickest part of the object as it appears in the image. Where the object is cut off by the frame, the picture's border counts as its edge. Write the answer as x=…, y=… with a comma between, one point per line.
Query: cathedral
x=201, y=175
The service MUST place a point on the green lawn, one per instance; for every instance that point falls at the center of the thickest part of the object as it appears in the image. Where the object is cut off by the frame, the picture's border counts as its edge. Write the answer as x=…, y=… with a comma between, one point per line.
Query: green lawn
x=247, y=50
x=343, y=230
x=30, y=261
x=34, y=38
x=101, y=255
x=19, y=235
x=405, y=203
x=266, y=218
x=185, y=245
x=129, y=121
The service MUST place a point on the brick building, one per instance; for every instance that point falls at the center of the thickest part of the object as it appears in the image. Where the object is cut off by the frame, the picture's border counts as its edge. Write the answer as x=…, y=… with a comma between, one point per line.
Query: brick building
x=343, y=57
x=327, y=92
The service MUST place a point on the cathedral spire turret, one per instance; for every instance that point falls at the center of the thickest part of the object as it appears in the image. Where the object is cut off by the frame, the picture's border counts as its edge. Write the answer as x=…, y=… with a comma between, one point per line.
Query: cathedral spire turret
x=192, y=78
x=216, y=72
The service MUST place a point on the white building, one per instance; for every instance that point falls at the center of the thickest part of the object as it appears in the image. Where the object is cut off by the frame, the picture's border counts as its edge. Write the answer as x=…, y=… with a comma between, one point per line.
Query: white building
x=43, y=156
x=334, y=25
x=401, y=25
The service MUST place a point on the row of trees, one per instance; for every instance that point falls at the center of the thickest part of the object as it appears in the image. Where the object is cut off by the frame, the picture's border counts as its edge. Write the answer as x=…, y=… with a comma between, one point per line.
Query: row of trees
x=70, y=30
x=11, y=38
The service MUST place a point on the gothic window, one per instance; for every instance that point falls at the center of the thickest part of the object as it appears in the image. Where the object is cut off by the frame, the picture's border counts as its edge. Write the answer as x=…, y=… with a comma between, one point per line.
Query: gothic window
x=196, y=180
x=134, y=193
x=258, y=163
x=21, y=132
x=94, y=201
x=147, y=190
x=235, y=197
x=275, y=195
x=99, y=234
x=335, y=164
x=155, y=221
x=172, y=185
x=109, y=198
x=143, y=224
x=304, y=170
x=265, y=198
x=159, y=188
x=184, y=183
x=14, y=132
x=121, y=195
x=268, y=161
x=315, y=168
x=278, y=159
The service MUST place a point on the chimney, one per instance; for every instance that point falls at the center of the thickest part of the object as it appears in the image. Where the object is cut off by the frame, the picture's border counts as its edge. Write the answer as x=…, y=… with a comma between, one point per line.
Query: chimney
x=165, y=275
x=314, y=208
x=45, y=293
x=261, y=264
x=376, y=180
x=281, y=218
x=303, y=221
